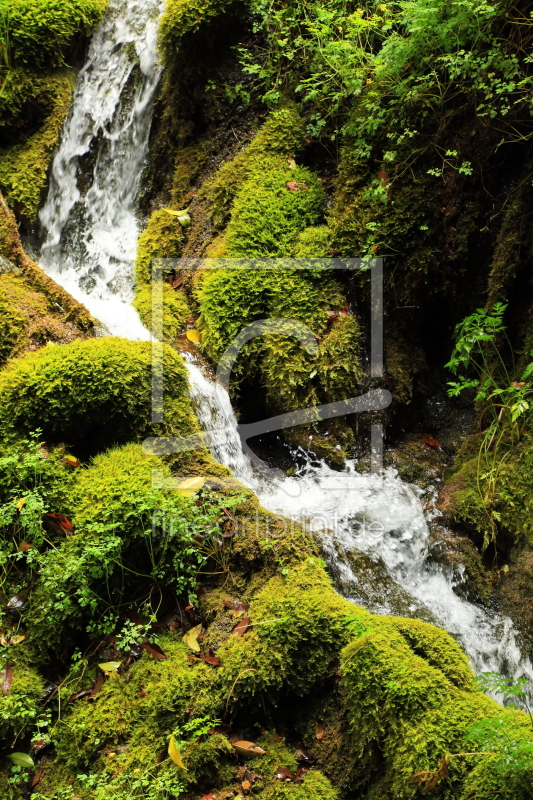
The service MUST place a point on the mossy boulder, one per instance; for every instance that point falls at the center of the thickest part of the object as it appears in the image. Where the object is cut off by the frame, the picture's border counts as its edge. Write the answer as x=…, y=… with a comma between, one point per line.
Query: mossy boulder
x=182, y=17
x=162, y=238
x=93, y=392
x=28, y=319
x=24, y=166
x=41, y=31
x=18, y=263
x=20, y=705
x=394, y=696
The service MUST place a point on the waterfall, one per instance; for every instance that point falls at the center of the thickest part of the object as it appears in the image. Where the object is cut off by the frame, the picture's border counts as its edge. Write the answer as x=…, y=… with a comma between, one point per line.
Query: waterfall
x=89, y=217
x=376, y=515
x=89, y=214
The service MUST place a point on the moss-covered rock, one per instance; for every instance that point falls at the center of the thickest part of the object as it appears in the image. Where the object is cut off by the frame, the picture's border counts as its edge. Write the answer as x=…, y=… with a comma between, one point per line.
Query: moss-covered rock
x=182, y=17
x=93, y=392
x=40, y=31
x=70, y=310
x=24, y=166
x=401, y=691
x=162, y=238
x=28, y=319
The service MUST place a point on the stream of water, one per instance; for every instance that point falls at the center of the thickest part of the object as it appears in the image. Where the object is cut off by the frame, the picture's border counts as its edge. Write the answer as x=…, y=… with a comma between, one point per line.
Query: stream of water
x=89, y=215
x=91, y=232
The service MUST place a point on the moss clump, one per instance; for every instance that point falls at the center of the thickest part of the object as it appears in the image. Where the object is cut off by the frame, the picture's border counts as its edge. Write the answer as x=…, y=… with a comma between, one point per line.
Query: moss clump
x=40, y=31
x=314, y=242
x=182, y=17
x=71, y=310
x=162, y=238
x=271, y=202
x=402, y=694
x=24, y=166
x=27, y=320
x=500, y=501
x=422, y=707
x=231, y=299
x=175, y=310
x=268, y=213
x=19, y=706
x=93, y=392
x=315, y=786
x=281, y=136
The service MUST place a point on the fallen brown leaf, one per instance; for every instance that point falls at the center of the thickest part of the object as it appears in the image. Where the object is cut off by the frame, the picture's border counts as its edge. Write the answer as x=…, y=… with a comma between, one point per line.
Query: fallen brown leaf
x=301, y=754
x=248, y=748
x=97, y=685
x=296, y=186
x=284, y=774
x=153, y=650
x=245, y=786
x=300, y=773
x=58, y=523
x=319, y=731
x=429, y=440
x=213, y=660
x=78, y=695
x=36, y=778
x=236, y=605
x=241, y=627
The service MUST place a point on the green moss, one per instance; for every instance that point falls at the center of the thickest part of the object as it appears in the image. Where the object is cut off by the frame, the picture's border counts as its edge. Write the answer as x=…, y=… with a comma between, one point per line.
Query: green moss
x=313, y=242
x=19, y=707
x=132, y=534
x=189, y=162
x=281, y=136
x=162, y=238
x=28, y=318
x=230, y=299
x=182, y=17
x=405, y=698
x=419, y=708
x=24, y=167
x=175, y=310
x=315, y=786
x=40, y=31
x=267, y=214
x=93, y=392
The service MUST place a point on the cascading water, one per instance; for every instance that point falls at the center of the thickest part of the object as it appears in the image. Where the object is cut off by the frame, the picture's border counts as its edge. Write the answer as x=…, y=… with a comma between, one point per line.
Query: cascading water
x=89, y=217
x=89, y=214
x=374, y=514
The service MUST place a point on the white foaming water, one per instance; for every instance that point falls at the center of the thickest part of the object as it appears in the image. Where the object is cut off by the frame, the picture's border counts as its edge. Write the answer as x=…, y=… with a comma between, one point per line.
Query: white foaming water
x=89, y=214
x=92, y=230
x=374, y=514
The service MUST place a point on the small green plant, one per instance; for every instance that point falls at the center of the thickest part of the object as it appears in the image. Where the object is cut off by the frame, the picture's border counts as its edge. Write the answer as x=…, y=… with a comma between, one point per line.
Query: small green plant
x=509, y=748
x=504, y=401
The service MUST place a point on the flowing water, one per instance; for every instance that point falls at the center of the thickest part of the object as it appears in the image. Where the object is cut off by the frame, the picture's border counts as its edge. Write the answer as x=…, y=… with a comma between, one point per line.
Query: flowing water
x=89, y=214
x=372, y=514
x=89, y=217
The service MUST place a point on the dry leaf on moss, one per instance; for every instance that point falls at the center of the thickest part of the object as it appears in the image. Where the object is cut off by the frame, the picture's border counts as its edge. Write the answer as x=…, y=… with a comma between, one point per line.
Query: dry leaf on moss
x=191, y=638
x=241, y=627
x=175, y=754
x=248, y=748
x=190, y=486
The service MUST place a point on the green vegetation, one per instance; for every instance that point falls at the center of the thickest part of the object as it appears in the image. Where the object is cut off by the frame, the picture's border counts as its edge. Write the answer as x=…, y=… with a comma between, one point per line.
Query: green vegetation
x=91, y=391
x=24, y=167
x=39, y=32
